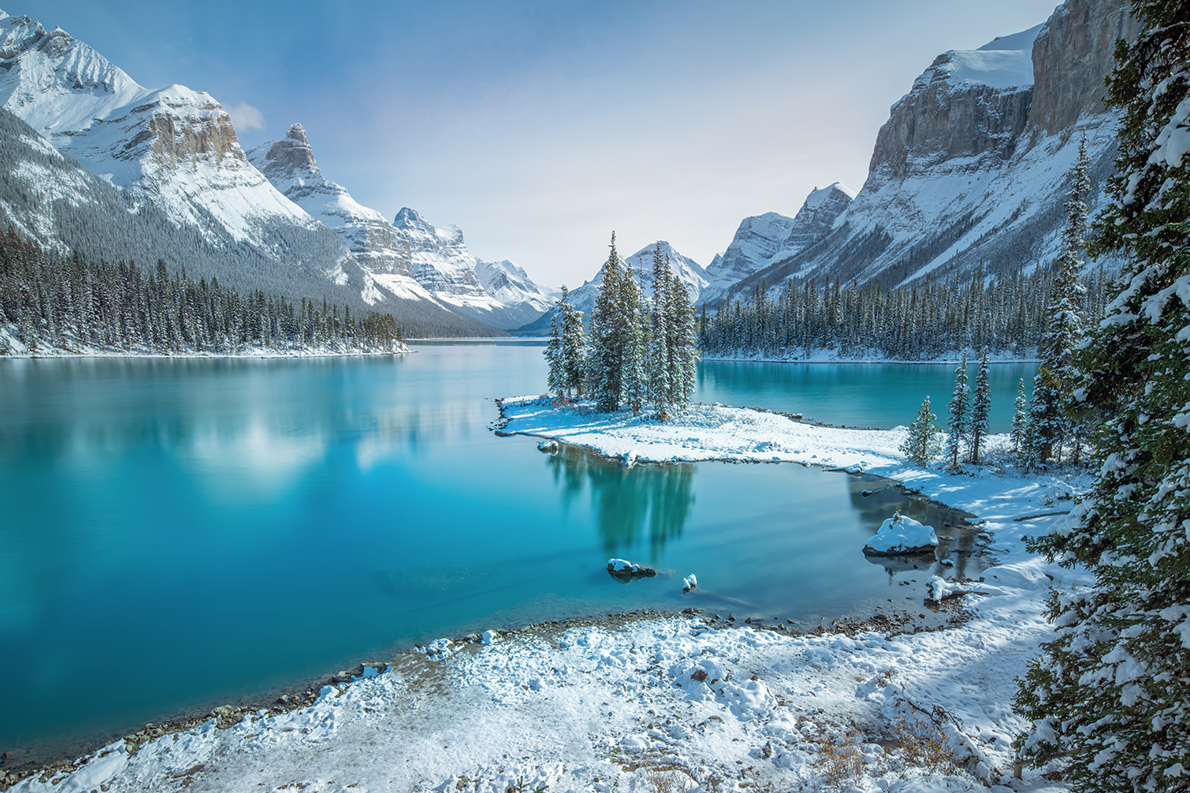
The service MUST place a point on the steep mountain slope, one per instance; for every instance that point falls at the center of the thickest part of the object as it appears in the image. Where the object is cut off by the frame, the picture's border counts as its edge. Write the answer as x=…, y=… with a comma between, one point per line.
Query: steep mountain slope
x=761, y=240
x=507, y=298
x=690, y=272
x=969, y=173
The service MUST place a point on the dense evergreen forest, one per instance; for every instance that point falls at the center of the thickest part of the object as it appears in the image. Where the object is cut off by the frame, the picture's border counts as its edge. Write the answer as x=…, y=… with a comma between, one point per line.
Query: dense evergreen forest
x=913, y=323
x=51, y=304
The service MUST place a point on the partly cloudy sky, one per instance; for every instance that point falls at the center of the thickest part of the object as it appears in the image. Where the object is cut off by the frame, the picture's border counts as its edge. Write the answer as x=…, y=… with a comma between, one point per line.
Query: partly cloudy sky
x=539, y=127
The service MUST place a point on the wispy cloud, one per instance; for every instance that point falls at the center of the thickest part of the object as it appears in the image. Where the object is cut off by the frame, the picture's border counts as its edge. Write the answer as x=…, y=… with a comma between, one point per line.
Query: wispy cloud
x=246, y=117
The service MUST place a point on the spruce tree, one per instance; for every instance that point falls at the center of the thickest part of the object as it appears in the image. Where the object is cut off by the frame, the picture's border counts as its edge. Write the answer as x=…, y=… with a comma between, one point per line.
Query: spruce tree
x=605, y=356
x=682, y=319
x=1109, y=699
x=574, y=346
x=634, y=369
x=555, y=379
x=661, y=387
x=922, y=444
x=981, y=408
x=1020, y=421
x=1053, y=387
x=959, y=409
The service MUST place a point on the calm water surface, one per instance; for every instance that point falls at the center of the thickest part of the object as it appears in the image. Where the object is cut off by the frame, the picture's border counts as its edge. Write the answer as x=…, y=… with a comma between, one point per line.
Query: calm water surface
x=180, y=533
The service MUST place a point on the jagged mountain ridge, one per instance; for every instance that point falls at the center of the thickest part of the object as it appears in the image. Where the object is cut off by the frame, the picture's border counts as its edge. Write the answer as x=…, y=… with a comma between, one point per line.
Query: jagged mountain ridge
x=410, y=257
x=55, y=201
x=763, y=239
x=970, y=172
x=450, y=272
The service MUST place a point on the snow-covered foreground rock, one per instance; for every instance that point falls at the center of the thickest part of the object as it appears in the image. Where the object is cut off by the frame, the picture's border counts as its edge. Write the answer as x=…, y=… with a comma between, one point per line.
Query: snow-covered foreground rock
x=641, y=703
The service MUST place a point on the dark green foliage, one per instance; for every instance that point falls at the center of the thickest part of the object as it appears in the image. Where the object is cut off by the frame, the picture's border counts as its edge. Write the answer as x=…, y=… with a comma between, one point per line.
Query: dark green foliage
x=960, y=413
x=914, y=323
x=981, y=408
x=922, y=444
x=1109, y=699
x=73, y=305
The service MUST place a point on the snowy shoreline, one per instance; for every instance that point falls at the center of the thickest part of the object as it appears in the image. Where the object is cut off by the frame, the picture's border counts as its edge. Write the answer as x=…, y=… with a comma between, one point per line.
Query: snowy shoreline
x=625, y=703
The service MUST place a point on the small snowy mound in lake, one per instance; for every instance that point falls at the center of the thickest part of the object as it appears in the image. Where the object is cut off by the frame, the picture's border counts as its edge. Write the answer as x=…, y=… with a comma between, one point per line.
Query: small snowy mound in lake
x=622, y=568
x=547, y=446
x=689, y=582
x=902, y=535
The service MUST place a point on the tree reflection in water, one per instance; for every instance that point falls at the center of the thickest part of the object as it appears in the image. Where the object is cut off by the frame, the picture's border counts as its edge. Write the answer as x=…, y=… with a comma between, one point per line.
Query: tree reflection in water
x=627, y=502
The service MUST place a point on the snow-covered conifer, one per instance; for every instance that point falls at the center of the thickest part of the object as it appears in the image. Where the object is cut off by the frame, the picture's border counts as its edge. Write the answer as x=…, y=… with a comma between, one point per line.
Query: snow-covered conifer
x=1109, y=699
x=922, y=443
x=555, y=380
x=574, y=346
x=605, y=355
x=981, y=408
x=682, y=321
x=1020, y=421
x=959, y=410
x=661, y=336
x=634, y=368
x=1054, y=384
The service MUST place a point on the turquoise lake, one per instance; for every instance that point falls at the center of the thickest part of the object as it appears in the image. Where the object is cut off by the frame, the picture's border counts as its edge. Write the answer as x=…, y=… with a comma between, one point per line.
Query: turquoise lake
x=183, y=533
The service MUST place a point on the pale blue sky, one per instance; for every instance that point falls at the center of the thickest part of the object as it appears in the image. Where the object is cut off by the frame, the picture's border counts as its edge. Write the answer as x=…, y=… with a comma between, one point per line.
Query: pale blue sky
x=539, y=127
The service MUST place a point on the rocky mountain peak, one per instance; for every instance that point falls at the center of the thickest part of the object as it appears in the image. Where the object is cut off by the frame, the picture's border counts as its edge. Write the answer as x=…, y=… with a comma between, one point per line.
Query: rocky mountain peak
x=292, y=155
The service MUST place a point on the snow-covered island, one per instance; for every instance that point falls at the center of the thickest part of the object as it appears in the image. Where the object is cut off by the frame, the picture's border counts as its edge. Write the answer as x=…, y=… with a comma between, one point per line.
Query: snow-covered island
x=639, y=703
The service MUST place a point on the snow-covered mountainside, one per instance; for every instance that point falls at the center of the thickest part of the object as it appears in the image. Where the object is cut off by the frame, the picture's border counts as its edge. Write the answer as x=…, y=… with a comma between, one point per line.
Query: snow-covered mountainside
x=173, y=154
x=970, y=171
x=690, y=272
x=761, y=240
x=505, y=297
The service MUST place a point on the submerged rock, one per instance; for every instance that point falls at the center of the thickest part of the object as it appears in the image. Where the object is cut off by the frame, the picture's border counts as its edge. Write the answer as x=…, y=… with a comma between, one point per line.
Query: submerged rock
x=625, y=570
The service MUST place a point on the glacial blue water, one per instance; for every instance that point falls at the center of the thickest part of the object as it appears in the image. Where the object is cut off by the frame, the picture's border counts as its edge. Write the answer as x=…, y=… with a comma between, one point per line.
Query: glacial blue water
x=182, y=533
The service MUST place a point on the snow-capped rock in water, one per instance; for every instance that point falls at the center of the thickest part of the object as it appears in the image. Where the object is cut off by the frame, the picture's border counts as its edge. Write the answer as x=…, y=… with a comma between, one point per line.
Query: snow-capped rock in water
x=688, y=271
x=901, y=535
x=444, y=267
x=970, y=172
x=761, y=240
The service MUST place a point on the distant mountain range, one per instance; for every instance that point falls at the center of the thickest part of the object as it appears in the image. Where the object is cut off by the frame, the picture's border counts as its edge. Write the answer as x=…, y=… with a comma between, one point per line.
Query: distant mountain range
x=968, y=176
x=266, y=220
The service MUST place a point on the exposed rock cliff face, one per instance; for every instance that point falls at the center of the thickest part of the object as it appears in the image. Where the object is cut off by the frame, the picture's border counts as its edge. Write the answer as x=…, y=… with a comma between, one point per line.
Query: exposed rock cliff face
x=970, y=171
x=966, y=104
x=1070, y=59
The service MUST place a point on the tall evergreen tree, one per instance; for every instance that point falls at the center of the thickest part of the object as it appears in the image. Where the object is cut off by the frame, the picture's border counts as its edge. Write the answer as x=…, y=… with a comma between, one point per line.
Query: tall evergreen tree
x=555, y=379
x=959, y=410
x=661, y=386
x=1109, y=699
x=605, y=357
x=682, y=327
x=574, y=346
x=921, y=444
x=1053, y=387
x=635, y=371
x=1020, y=421
x=981, y=408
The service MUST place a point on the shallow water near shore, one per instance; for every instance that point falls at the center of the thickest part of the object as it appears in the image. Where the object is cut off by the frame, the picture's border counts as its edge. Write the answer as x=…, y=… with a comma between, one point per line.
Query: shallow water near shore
x=183, y=533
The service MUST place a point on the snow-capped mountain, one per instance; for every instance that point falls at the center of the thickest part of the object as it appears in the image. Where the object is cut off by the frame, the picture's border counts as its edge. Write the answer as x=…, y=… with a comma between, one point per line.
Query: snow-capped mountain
x=688, y=271
x=763, y=239
x=506, y=297
x=970, y=171
x=173, y=154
